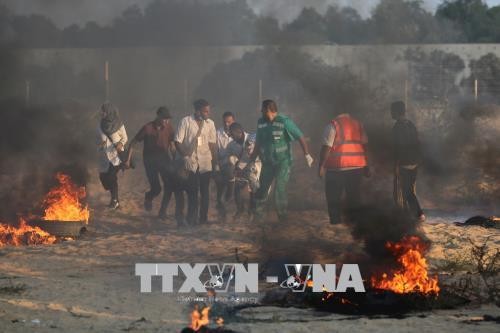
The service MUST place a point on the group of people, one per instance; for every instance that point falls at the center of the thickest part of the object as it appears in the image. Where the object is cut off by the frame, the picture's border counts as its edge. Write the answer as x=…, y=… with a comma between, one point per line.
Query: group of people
x=244, y=165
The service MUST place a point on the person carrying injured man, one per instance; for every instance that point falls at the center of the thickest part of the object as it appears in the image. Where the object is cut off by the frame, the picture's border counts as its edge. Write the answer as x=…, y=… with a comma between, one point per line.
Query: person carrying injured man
x=275, y=134
x=158, y=155
x=195, y=141
x=246, y=172
x=224, y=179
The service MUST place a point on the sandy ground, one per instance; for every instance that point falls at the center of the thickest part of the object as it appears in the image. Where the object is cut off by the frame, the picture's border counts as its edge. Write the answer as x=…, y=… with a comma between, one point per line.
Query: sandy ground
x=89, y=284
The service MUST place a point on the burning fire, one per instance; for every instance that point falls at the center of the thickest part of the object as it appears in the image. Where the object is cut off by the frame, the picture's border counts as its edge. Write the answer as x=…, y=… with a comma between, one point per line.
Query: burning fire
x=63, y=201
x=24, y=235
x=200, y=319
x=413, y=275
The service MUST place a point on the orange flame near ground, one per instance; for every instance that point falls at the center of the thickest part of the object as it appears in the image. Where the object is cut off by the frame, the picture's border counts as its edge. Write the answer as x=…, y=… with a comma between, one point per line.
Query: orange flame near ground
x=413, y=275
x=199, y=319
x=63, y=201
x=24, y=235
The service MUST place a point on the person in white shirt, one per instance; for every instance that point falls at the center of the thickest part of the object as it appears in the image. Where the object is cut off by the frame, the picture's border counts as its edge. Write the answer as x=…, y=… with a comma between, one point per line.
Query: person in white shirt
x=224, y=179
x=246, y=172
x=111, y=140
x=195, y=141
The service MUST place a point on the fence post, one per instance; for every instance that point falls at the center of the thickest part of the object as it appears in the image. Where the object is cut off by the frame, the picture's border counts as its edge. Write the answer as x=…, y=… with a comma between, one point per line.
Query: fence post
x=106, y=78
x=476, y=89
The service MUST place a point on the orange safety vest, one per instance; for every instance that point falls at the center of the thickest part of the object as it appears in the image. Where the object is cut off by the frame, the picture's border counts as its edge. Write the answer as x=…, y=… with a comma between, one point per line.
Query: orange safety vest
x=347, y=150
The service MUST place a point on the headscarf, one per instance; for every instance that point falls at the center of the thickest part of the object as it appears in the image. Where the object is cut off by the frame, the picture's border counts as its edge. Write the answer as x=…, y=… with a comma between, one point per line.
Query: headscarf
x=110, y=122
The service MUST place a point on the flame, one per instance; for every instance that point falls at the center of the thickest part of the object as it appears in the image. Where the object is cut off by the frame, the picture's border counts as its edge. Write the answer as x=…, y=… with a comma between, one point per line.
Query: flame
x=413, y=275
x=199, y=319
x=24, y=235
x=63, y=201
x=219, y=321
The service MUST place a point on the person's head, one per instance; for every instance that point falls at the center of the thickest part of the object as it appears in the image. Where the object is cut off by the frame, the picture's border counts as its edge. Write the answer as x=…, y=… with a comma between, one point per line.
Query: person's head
x=398, y=110
x=237, y=132
x=108, y=111
x=269, y=109
x=201, y=109
x=162, y=116
x=227, y=119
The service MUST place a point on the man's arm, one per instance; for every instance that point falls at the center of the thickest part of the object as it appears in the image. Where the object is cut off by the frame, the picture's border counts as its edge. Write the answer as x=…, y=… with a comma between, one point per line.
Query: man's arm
x=323, y=157
x=139, y=137
x=179, y=137
x=255, y=152
x=212, y=144
x=213, y=150
x=328, y=140
x=364, y=140
x=101, y=140
x=130, y=149
x=304, y=146
x=296, y=134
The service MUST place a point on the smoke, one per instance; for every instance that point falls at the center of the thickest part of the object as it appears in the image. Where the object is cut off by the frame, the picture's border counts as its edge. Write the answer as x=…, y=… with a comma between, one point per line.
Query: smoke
x=37, y=142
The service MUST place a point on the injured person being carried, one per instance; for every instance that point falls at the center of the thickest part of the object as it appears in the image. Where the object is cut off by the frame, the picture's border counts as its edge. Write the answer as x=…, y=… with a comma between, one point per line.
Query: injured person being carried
x=246, y=172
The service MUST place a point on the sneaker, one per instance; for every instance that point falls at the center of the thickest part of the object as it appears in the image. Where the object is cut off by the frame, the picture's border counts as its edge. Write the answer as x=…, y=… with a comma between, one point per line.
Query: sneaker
x=114, y=204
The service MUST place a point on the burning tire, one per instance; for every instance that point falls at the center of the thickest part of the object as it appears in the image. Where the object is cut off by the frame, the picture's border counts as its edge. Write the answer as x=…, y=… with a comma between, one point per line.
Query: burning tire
x=61, y=228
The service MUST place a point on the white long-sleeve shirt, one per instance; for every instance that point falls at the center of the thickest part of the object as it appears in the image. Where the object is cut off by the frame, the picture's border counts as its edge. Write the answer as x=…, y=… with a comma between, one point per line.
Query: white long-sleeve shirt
x=201, y=157
x=107, y=151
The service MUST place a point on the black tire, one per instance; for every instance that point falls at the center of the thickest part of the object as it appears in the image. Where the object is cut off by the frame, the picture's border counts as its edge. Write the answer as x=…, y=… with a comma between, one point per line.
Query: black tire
x=61, y=228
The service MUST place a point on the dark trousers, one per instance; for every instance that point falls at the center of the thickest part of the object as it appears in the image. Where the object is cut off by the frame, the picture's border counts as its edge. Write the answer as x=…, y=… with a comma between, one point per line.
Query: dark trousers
x=408, y=181
x=239, y=197
x=160, y=167
x=224, y=182
x=338, y=182
x=109, y=180
x=198, y=183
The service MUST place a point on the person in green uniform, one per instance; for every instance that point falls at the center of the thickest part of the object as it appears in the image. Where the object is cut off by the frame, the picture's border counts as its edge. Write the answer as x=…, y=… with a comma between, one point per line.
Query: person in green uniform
x=275, y=133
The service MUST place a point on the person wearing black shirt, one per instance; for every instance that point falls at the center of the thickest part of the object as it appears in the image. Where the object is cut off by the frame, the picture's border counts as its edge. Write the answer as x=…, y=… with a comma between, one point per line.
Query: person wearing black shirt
x=406, y=161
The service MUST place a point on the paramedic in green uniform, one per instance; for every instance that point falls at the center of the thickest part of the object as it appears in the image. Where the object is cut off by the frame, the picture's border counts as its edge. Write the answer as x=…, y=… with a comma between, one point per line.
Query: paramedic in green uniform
x=275, y=133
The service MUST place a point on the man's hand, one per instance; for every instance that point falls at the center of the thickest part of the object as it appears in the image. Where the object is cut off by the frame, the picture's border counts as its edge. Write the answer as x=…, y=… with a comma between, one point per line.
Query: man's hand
x=309, y=160
x=119, y=146
x=321, y=172
x=238, y=173
x=200, y=128
x=367, y=172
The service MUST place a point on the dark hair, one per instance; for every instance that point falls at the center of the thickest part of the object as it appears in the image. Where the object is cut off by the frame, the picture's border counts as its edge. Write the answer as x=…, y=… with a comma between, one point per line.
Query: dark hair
x=200, y=104
x=227, y=114
x=269, y=104
x=236, y=126
x=398, y=108
x=163, y=113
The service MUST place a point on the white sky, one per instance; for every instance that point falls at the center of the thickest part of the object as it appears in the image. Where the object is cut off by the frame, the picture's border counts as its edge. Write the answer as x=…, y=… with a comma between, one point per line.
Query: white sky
x=66, y=12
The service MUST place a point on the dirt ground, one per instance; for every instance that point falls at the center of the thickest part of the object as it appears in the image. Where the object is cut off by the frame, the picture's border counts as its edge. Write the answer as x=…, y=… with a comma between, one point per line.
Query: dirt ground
x=89, y=284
